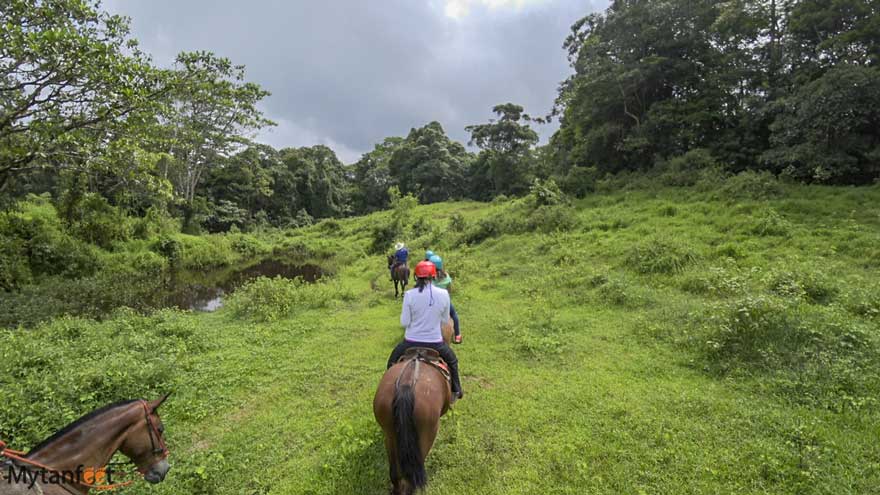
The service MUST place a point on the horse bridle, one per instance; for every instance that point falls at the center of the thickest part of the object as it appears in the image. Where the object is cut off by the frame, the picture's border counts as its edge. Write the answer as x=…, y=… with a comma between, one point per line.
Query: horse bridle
x=157, y=443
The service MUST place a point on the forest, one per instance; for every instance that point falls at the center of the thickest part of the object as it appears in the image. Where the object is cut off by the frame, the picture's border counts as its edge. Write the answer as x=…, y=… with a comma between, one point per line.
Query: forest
x=790, y=88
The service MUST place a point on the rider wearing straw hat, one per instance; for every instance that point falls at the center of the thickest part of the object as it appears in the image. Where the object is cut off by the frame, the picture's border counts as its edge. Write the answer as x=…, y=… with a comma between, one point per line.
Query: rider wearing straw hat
x=425, y=310
x=401, y=255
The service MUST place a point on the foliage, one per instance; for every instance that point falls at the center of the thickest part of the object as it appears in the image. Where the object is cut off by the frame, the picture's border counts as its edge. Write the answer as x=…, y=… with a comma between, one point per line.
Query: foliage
x=757, y=185
x=211, y=111
x=72, y=79
x=505, y=161
x=660, y=255
x=790, y=87
x=88, y=366
x=429, y=165
x=771, y=223
x=269, y=299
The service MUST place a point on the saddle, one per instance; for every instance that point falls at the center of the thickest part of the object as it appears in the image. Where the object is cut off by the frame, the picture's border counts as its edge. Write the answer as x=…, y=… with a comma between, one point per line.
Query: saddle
x=429, y=356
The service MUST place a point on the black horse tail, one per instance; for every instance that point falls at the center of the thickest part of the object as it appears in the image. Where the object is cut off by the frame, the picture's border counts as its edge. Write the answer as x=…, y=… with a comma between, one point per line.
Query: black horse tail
x=409, y=454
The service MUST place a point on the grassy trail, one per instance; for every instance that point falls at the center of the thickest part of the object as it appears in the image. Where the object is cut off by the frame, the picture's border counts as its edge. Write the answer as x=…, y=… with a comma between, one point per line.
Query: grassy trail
x=593, y=361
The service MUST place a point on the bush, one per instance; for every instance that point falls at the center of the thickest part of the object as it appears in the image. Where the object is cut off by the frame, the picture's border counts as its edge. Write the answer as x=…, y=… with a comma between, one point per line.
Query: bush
x=249, y=247
x=269, y=299
x=94, y=220
x=752, y=185
x=383, y=236
x=457, y=223
x=70, y=366
x=660, y=256
x=14, y=267
x=580, y=181
x=812, y=354
x=545, y=193
x=43, y=249
x=812, y=287
x=618, y=292
x=686, y=170
x=771, y=223
x=863, y=302
x=718, y=281
x=549, y=218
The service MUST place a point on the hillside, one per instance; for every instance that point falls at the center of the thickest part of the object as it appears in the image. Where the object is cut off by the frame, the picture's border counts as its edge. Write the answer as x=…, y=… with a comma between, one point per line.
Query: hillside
x=672, y=341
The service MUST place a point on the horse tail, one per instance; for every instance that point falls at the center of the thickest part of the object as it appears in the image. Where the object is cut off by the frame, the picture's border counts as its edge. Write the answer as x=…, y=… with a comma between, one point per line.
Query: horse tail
x=409, y=454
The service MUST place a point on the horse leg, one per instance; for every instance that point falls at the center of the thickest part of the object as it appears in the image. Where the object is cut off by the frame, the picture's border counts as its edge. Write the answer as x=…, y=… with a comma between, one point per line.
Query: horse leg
x=393, y=468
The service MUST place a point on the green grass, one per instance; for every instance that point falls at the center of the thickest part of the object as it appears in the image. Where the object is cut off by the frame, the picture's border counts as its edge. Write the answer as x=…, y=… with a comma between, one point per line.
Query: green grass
x=609, y=357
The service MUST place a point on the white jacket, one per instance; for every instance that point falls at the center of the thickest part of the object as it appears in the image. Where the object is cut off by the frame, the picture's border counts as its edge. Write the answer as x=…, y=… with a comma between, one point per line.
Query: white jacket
x=424, y=313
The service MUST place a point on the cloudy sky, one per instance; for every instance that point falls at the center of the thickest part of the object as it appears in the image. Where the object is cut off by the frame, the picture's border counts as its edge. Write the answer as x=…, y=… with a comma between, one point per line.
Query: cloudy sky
x=348, y=73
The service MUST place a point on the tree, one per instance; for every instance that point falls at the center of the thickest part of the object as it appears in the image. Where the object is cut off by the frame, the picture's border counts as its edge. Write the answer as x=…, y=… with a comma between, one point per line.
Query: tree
x=212, y=111
x=372, y=178
x=246, y=179
x=70, y=79
x=311, y=179
x=429, y=165
x=506, y=160
x=829, y=130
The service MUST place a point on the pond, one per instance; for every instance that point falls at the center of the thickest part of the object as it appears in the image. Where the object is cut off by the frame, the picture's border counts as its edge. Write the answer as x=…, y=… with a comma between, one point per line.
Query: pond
x=205, y=290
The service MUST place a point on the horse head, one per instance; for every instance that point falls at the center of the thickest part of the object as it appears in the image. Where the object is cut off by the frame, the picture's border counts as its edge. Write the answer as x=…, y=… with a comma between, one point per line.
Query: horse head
x=144, y=442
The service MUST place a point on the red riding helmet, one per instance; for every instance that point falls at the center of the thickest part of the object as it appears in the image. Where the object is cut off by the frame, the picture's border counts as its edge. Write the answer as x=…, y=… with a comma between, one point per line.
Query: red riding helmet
x=426, y=269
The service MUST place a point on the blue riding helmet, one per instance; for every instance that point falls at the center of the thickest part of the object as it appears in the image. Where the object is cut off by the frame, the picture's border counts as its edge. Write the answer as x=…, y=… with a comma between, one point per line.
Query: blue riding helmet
x=438, y=261
x=429, y=254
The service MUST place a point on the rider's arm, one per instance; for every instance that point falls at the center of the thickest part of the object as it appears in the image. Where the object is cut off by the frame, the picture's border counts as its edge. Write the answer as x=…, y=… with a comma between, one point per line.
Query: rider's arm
x=406, y=312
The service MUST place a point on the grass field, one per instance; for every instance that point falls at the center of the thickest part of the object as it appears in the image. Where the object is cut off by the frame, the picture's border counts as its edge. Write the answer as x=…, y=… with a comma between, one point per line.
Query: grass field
x=644, y=343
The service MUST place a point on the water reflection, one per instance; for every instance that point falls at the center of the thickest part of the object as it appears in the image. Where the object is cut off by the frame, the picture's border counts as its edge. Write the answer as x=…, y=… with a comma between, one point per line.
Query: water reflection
x=204, y=291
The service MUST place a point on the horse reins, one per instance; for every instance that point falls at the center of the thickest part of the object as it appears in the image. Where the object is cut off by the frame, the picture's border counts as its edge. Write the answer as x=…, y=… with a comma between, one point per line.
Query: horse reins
x=18, y=455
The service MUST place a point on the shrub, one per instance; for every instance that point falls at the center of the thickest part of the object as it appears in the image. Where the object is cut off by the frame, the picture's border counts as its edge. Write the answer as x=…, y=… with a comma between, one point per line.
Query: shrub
x=383, y=236
x=771, y=223
x=715, y=281
x=94, y=220
x=457, y=223
x=812, y=287
x=686, y=170
x=812, y=354
x=44, y=248
x=549, y=218
x=269, y=299
x=14, y=268
x=659, y=255
x=580, y=181
x=863, y=302
x=730, y=250
x=752, y=185
x=545, y=193
x=70, y=366
x=618, y=292
x=249, y=247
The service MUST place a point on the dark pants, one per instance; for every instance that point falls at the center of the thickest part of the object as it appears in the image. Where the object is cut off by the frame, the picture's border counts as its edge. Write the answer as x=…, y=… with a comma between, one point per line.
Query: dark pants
x=454, y=317
x=441, y=347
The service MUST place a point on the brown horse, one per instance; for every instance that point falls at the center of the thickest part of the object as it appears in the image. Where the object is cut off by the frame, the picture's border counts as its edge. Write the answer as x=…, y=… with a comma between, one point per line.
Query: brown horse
x=399, y=275
x=410, y=425
x=73, y=460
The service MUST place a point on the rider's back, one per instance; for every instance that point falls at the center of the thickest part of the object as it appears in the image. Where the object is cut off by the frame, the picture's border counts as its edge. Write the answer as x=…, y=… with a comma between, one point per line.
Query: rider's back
x=424, y=313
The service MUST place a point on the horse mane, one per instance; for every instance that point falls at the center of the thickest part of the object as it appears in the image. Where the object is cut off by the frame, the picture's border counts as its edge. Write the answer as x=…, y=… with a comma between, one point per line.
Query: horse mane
x=67, y=429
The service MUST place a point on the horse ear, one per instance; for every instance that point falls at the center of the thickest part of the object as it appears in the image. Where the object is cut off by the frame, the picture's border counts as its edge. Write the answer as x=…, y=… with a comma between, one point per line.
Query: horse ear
x=158, y=402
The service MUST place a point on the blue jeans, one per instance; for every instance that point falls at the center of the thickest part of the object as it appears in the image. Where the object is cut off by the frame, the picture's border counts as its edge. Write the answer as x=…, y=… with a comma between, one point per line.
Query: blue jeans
x=454, y=317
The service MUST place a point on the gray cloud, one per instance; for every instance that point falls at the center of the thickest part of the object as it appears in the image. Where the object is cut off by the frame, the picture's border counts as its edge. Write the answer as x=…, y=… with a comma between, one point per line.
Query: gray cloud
x=347, y=73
